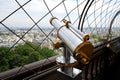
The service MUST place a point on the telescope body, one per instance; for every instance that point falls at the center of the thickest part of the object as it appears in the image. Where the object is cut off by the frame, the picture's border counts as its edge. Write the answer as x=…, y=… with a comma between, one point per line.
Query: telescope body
x=76, y=41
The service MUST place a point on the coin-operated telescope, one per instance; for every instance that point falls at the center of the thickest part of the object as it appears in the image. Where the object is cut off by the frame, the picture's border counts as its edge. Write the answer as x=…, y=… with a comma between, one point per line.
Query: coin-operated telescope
x=76, y=45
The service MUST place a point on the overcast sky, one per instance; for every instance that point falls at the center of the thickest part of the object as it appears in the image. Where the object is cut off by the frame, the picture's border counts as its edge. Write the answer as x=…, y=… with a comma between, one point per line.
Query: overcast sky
x=37, y=9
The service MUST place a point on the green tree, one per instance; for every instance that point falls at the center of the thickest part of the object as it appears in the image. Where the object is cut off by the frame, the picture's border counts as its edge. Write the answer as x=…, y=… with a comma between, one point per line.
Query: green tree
x=22, y=54
x=46, y=52
x=26, y=48
x=33, y=56
x=4, y=54
x=4, y=65
x=15, y=61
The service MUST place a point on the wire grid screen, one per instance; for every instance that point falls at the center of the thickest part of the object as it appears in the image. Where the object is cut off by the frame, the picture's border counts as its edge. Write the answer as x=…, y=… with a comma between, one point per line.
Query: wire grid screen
x=28, y=20
x=24, y=21
x=102, y=20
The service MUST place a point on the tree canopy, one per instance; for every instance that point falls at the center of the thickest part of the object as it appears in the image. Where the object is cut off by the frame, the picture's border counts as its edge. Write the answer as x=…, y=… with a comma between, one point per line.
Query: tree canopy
x=22, y=54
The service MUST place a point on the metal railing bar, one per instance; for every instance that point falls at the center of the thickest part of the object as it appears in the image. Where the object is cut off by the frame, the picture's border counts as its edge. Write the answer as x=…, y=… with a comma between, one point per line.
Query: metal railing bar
x=32, y=66
x=42, y=73
x=112, y=22
x=83, y=13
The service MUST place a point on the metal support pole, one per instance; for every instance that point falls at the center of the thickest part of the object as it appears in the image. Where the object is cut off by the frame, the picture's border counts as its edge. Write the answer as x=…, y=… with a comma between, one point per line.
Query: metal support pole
x=67, y=58
x=66, y=61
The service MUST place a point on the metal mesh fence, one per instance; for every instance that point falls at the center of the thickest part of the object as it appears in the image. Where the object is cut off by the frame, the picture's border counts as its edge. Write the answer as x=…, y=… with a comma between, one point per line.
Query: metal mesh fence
x=99, y=20
x=28, y=20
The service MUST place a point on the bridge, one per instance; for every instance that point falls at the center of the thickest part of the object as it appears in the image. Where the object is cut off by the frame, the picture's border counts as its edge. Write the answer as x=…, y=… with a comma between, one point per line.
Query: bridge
x=28, y=20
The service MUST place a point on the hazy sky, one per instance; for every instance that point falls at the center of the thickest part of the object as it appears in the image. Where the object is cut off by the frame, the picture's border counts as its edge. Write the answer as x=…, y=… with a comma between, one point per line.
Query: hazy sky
x=37, y=9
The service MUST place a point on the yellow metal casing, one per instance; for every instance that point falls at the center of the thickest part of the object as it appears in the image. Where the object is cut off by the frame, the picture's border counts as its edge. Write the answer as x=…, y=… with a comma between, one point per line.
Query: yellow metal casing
x=85, y=49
